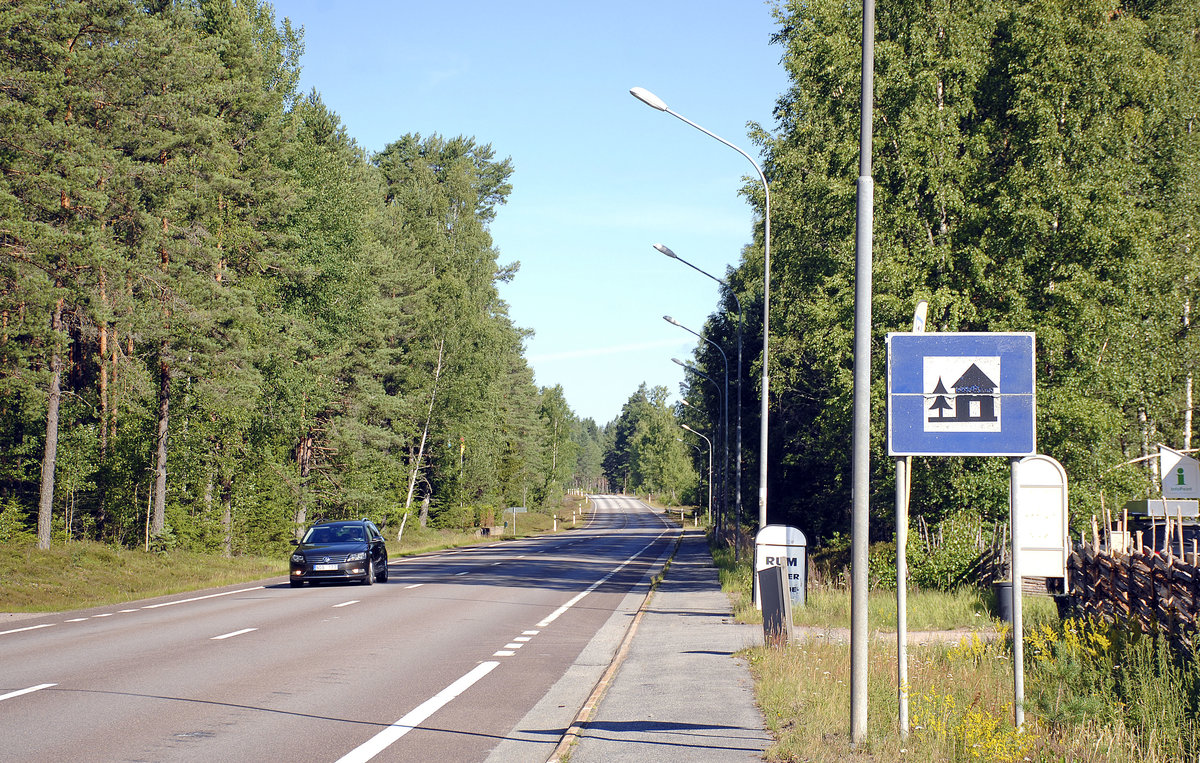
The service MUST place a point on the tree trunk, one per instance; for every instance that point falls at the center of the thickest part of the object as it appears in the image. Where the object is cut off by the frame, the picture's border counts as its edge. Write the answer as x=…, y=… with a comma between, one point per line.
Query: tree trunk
x=50, y=454
x=102, y=362
x=1187, y=404
x=304, y=453
x=425, y=511
x=227, y=515
x=158, y=523
x=415, y=467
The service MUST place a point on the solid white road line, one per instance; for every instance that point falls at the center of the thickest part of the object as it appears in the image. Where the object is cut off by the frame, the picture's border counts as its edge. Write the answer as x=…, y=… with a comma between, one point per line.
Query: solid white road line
x=27, y=628
x=19, y=692
x=385, y=738
x=231, y=635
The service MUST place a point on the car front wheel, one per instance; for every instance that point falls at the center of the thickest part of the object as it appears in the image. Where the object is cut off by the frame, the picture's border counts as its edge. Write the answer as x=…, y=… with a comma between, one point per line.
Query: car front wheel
x=370, y=576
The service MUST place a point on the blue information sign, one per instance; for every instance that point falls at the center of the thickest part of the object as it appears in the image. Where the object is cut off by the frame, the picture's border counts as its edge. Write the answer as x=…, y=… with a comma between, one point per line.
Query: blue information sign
x=961, y=394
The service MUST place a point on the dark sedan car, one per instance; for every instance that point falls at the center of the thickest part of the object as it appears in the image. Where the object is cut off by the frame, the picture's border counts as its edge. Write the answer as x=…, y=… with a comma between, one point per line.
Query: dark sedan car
x=340, y=551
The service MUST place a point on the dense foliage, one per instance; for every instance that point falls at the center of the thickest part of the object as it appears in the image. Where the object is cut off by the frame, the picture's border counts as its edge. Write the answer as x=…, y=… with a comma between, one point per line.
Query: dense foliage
x=1034, y=165
x=645, y=453
x=220, y=318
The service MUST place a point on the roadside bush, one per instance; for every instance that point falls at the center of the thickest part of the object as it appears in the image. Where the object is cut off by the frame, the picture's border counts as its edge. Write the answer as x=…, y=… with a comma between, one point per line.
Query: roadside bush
x=948, y=559
x=454, y=517
x=951, y=557
x=881, y=563
x=12, y=523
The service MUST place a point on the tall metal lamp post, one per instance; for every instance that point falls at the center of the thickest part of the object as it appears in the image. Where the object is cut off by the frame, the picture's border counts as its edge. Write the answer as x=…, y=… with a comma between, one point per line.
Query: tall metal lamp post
x=652, y=100
x=725, y=360
x=725, y=464
x=697, y=447
x=861, y=438
x=737, y=491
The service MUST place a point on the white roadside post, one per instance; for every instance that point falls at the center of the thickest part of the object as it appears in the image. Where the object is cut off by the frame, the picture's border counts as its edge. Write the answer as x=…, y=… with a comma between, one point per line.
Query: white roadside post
x=903, y=490
x=1018, y=621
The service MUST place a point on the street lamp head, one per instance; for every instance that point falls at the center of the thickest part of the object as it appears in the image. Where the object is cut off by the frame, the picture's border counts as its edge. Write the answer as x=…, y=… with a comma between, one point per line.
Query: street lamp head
x=685, y=426
x=666, y=250
x=648, y=98
x=679, y=362
x=670, y=320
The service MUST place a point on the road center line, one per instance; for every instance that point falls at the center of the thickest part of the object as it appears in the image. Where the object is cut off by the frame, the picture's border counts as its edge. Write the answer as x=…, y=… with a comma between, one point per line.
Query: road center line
x=231, y=635
x=385, y=738
x=19, y=692
x=346, y=603
x=577, y=597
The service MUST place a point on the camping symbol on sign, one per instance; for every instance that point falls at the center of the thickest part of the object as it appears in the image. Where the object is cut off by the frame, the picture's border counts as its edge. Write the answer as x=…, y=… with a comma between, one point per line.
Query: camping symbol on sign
x=962, y=394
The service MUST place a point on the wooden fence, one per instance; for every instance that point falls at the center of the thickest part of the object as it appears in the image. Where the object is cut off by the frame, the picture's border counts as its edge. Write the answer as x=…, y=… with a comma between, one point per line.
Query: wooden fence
x=1144, y=588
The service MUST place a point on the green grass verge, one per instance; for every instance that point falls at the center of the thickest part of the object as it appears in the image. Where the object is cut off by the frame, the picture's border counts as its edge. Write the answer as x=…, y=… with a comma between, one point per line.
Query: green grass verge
x=84, y=574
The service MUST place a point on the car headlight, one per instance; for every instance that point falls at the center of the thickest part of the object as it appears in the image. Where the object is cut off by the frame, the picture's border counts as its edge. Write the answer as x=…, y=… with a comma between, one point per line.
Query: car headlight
x=298, y=558
x=358, y=556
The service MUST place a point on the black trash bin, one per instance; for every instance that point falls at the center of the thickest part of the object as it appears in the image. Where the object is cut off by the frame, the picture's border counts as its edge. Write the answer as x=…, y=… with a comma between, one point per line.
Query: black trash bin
x=1004, y=600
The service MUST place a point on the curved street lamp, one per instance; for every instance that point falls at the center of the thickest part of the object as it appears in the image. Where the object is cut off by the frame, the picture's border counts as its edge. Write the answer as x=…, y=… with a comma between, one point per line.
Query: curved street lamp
x=725, y=464
x=653, y=101
x=737, y=492
x=697, y=447
x=725, y=360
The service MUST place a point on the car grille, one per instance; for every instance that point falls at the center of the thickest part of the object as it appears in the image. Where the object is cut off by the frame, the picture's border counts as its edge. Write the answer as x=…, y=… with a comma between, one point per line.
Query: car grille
x=326, y=558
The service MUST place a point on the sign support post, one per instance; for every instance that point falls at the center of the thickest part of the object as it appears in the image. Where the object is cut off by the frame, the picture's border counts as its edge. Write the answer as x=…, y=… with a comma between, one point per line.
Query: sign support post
x=903, y=490
x=902, y=591
x=960, y=394
x=1018, y=624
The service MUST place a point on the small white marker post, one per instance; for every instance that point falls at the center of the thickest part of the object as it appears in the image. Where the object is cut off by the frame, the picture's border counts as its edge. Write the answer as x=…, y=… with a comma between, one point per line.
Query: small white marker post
x=1017, y=623
x=903, y=478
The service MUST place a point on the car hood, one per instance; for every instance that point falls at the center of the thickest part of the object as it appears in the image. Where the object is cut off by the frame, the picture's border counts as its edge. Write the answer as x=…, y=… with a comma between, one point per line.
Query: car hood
x=331, y=548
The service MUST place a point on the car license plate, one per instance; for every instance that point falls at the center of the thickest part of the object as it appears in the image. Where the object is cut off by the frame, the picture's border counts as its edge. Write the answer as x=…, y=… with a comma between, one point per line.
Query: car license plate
x=324, y=567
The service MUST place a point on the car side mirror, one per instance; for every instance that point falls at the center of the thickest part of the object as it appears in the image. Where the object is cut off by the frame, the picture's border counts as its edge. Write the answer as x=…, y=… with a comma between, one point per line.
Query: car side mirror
x=295, y=541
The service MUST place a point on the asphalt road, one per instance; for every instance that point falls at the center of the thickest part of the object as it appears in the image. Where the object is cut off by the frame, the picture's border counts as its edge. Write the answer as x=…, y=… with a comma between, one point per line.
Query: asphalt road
x=467, y=655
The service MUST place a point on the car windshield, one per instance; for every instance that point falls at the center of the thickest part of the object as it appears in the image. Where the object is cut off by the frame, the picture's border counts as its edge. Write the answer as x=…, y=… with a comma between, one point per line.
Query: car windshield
x=334, y=535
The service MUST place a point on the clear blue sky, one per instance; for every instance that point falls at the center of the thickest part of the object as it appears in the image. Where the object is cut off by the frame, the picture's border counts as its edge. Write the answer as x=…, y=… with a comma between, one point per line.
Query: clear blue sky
x=599, y=177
